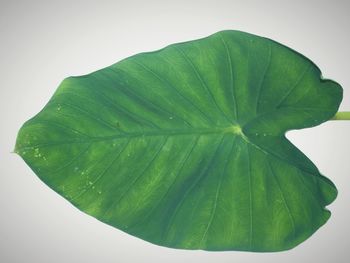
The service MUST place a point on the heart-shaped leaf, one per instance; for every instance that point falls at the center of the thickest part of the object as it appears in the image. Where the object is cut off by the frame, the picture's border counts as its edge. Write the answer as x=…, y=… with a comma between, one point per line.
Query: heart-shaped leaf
x=185, y=146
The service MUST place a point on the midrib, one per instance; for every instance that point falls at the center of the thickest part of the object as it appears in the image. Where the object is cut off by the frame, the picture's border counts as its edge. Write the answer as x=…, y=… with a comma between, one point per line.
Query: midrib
x=234, y=129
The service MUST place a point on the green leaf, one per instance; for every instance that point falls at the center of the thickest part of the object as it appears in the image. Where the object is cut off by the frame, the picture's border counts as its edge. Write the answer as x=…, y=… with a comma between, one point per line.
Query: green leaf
x=185, y=147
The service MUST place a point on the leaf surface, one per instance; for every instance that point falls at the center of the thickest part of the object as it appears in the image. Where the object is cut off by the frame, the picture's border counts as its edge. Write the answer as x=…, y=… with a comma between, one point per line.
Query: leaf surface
x=185, y=147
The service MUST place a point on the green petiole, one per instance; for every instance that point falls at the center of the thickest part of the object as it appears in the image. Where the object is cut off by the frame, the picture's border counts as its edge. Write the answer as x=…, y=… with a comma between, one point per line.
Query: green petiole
x=342, y=116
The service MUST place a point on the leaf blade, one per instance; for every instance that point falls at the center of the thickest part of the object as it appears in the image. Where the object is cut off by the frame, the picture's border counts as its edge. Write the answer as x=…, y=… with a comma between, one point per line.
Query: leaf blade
x=145, y=144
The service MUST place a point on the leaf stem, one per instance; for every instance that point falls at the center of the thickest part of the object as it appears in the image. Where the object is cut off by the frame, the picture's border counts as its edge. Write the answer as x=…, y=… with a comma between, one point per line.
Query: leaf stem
x=341, y=116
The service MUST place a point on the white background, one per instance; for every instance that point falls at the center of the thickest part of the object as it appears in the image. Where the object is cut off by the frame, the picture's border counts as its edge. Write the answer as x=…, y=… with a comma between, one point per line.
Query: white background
x=43, y=42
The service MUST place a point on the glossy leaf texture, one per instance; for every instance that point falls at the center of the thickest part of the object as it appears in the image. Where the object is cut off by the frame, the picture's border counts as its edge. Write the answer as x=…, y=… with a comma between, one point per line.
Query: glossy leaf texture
x=185, y=147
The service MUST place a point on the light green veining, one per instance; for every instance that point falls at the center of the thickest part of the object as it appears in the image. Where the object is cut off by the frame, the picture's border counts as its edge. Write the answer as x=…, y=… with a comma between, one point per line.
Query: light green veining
x=185, y=147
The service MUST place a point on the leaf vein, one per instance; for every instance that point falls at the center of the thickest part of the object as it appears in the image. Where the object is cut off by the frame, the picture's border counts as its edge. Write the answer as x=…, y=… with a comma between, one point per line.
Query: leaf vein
x=88, y=114
x=138, y=177
x=294, y=86
x=283, y=198
x=217, y=195
x=180, y=169
x=204, y=85
x=189, y=189
x=76, y=158
x=176, y=90
x=250, y=198
x=100, y=176
x=263, y=79
x=229, y=59
x=140, y=98
x=120, y=108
